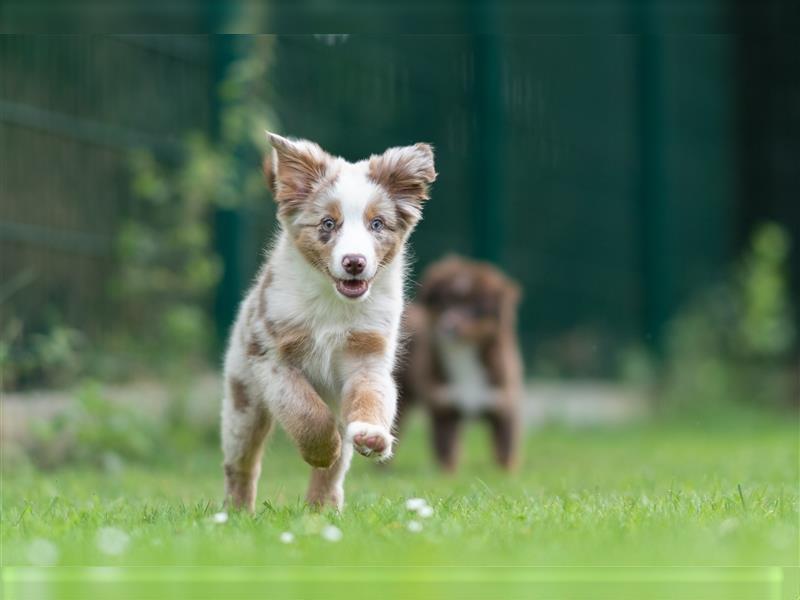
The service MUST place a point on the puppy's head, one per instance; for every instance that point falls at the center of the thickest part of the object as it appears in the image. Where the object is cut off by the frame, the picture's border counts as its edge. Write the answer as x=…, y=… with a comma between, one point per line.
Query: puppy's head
x=469, y=302
x=348, y=219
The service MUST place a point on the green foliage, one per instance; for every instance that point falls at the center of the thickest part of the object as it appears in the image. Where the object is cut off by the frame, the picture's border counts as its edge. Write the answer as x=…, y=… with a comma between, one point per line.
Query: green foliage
x=734, y=342
x=169, y=267
x=48, y=355
x=766, y=328
x=97, y=432
x=35, y=351
x=94, y=431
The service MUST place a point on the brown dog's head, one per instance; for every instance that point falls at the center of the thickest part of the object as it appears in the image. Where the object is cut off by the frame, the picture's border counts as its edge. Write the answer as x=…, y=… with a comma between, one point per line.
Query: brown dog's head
x=348, y=220
x=468, y=301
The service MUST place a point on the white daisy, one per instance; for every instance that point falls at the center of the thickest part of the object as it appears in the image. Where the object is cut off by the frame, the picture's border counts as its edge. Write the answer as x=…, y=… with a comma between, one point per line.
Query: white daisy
x=415, y=503
x=414, y=526
x=111, y=540
x=42, y=553
x=287, y=537
x=331, y=533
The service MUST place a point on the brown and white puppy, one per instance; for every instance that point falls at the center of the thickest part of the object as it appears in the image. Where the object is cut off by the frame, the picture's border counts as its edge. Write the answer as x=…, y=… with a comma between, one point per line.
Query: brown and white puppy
x=463, y=357
x=313, y=346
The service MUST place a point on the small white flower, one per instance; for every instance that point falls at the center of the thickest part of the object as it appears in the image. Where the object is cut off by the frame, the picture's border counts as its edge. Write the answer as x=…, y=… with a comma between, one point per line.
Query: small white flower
x=425, y=512
x=728, y=525
x=414, y=526
x=287, y=537
x=331, y=533
x=111, y=540
x=42, y=553
x=415, y=503
x=220, y=517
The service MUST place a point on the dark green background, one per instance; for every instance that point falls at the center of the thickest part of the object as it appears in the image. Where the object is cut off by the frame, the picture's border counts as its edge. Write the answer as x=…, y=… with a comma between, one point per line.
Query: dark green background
x=612, y=175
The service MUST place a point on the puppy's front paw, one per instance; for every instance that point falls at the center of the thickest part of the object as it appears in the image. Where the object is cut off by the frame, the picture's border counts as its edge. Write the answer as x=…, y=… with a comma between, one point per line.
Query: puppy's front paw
x=323, y=448
x=370, y=440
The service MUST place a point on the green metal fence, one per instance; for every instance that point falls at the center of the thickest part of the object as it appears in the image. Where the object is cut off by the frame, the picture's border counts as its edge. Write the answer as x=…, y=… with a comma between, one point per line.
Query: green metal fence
x=610, y=175
x=558, y=158
x=71, y=109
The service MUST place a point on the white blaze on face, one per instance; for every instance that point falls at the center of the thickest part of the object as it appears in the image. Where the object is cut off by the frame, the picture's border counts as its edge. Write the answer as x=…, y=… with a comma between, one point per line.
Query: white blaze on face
x=354, y=191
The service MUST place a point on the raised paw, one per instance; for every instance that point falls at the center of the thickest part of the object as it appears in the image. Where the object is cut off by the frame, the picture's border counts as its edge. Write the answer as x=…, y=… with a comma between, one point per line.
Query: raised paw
x=370, y=440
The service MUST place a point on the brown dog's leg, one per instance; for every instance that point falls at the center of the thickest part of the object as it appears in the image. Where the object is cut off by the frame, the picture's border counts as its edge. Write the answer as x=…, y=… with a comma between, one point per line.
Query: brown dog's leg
x=245, y=425
x=506, y=433
x=446, y=429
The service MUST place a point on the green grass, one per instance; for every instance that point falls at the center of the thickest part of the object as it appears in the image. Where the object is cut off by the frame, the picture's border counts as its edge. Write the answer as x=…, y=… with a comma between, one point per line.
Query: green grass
x=677, y=509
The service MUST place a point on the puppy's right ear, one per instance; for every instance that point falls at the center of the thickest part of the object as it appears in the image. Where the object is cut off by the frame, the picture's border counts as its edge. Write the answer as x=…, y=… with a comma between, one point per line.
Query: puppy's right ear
x=293, y=169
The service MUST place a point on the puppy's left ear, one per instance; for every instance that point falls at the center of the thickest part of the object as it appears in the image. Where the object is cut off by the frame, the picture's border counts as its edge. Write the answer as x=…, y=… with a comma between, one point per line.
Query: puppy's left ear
x=406, y=174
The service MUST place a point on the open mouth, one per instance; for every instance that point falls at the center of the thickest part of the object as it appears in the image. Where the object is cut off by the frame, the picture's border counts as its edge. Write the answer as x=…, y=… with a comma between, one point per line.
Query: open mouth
x=352, y=288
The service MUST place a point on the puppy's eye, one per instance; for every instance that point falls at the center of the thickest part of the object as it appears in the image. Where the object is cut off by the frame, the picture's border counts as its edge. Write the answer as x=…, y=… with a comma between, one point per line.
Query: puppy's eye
x=327, y=224
x=376, y=224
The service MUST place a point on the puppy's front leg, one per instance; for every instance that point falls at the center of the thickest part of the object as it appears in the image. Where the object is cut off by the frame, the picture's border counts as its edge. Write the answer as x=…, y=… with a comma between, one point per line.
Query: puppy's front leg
x=369, y=396
x=370, y=402
x=301, y=412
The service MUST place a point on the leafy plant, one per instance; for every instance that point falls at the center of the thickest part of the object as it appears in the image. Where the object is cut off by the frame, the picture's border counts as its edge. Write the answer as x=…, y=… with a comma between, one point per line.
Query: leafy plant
x=93, y=430
x=734, y=342
x=96, y=431
x=169, y=267
x=48, y=354
x=766, y=328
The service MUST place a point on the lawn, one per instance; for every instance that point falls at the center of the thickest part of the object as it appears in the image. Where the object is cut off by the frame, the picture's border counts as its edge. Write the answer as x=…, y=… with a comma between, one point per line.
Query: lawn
x=666, y=511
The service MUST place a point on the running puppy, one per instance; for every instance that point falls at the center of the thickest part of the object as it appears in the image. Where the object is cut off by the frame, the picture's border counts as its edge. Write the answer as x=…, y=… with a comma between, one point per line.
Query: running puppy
x=465, y=357
x=314, y=343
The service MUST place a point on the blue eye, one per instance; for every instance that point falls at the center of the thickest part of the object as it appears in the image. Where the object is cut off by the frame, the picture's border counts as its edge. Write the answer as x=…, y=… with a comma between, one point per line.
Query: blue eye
x=328, y=224
x=376, y=224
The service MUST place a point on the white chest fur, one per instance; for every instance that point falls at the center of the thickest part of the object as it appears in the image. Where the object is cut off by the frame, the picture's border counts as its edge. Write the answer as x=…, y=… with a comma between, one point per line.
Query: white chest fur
x=468, y=385
x=302, y=298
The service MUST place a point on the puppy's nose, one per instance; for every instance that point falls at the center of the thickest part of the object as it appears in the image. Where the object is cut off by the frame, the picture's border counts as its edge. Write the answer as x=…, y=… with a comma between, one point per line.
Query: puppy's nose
x=354, y=263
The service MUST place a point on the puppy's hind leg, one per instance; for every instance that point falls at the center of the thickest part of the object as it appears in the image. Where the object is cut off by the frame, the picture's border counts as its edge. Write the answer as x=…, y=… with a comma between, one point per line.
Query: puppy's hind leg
x=245, y=425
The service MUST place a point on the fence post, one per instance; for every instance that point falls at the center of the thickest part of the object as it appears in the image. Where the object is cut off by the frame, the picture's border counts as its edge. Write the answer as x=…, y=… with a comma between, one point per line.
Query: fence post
x=228, y=222
x=655, y=272
x=489, y=173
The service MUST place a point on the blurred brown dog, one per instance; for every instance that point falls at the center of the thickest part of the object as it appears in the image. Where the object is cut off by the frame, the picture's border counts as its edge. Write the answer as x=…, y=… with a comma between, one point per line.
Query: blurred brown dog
x=462, y=357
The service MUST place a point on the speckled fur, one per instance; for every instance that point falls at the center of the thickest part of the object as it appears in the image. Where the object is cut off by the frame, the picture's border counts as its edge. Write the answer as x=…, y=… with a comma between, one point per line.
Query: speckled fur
x=302, y=354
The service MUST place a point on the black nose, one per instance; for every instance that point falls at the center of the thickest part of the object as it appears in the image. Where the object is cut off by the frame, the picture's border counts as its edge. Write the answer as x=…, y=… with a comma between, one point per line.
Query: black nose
x=354, y=263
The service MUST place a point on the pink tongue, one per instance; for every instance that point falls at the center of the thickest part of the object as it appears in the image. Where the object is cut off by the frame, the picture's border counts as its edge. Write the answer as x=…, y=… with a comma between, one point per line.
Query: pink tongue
x=352, y=287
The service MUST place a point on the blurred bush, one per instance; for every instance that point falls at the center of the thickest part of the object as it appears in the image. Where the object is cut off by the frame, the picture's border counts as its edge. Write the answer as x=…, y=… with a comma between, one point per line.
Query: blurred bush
x=736, y=342
x=159, y=307
x=96, y=431
x=93, y=430
x=46, y=352
x=169, y=267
